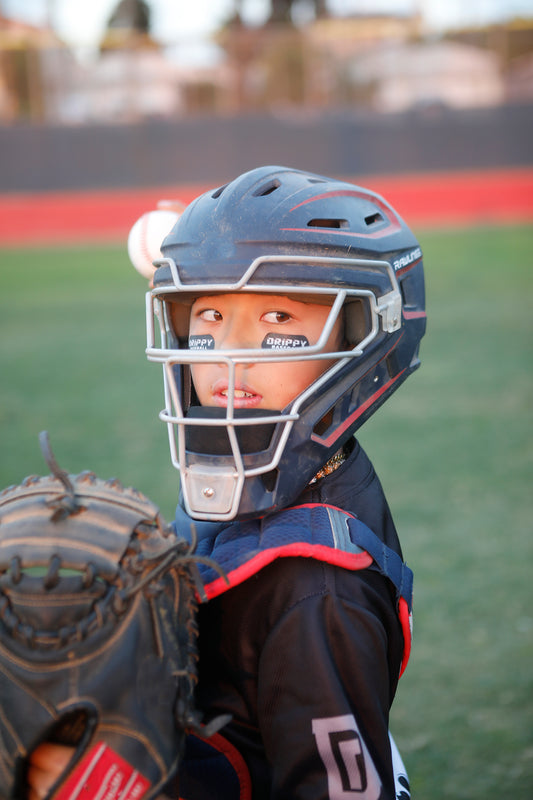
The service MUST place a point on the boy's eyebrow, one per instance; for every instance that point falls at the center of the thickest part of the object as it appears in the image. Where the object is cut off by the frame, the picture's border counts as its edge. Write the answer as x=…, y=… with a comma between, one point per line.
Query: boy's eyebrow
x=297, y=297
x=313, y=299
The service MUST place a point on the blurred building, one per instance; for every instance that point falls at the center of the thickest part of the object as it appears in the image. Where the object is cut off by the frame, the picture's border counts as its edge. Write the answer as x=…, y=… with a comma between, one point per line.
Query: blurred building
x=123, y=85
x=428, y=75
x=383, y=63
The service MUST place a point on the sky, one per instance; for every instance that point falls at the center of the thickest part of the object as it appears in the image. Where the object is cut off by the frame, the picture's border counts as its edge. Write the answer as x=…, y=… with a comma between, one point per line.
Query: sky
x=80, y=23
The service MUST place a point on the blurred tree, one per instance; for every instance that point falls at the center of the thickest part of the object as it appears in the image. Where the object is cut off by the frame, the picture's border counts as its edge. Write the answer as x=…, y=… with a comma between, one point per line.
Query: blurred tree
x=27, y=55
x=129, y=27
x=281, y=10
x=131, y=14
x=273, y=64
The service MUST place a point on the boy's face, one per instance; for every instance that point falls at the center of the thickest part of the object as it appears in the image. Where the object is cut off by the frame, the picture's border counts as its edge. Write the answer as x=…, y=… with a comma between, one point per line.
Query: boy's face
x=239, y=321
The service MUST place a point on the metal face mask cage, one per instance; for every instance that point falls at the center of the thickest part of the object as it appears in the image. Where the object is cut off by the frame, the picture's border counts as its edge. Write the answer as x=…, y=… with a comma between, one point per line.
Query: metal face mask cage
x=220, y=451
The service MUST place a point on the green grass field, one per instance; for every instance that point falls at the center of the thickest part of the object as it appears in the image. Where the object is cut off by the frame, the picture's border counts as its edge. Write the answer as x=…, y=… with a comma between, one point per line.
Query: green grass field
x=453, y=448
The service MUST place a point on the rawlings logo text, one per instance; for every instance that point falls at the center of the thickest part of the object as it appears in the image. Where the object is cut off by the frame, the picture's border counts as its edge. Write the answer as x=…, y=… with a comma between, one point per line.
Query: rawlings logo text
x=407, y=259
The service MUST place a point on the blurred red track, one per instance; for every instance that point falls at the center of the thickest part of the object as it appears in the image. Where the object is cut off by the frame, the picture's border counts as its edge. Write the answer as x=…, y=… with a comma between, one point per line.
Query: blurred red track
x=447, y=199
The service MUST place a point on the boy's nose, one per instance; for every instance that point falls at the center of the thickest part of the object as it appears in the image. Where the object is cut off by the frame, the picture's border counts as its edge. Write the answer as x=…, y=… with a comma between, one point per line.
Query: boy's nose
x=238, y=336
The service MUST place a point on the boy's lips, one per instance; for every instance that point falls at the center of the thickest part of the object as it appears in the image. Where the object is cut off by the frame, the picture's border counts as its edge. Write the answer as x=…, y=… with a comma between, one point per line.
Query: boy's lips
x=245, y=396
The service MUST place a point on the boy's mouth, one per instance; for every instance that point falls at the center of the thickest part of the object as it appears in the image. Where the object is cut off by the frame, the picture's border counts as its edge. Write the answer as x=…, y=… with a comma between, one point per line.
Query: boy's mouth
x=238, y=393
x=244, y=397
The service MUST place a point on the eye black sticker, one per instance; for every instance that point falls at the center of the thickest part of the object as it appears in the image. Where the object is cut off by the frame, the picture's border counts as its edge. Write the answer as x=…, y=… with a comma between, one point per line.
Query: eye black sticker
x=273, y=341
x=205, y=342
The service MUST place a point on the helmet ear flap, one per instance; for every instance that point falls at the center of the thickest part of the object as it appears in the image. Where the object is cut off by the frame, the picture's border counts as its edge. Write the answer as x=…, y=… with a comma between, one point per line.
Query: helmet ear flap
x=357, y=320
x=179, y=318
x=183, y=380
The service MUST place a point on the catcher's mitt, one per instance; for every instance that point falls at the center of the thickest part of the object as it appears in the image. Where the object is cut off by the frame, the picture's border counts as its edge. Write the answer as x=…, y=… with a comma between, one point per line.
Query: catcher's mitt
x=97, y=636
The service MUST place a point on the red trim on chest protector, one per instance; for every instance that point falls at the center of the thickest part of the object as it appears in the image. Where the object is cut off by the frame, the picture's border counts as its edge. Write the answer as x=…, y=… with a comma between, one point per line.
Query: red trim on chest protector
x=221, y=745
x=321, y=552
x=406, y=621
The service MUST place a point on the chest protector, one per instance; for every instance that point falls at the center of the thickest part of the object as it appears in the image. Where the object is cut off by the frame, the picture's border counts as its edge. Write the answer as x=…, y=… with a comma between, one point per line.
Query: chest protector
x=242, y=549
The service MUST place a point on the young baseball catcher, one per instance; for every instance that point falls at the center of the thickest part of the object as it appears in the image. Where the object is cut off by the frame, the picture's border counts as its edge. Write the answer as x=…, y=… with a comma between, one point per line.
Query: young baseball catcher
x=287, y=307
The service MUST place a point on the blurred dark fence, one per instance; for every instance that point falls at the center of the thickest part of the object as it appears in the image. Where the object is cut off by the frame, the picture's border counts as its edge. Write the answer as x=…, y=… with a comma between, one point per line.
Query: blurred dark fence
x=212, y=149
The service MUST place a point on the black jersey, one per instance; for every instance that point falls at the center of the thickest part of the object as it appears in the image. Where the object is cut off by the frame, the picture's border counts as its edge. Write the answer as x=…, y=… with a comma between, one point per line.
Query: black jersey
x=304, y=649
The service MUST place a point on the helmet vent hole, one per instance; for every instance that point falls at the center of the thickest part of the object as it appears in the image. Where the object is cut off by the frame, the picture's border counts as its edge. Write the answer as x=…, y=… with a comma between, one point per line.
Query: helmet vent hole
x=267, y=188
x=216, y=194
x=327, y=223
x=373, y=218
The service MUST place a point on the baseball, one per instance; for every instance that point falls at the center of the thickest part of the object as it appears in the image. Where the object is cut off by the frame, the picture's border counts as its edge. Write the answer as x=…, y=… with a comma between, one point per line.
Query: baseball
x=146, y=236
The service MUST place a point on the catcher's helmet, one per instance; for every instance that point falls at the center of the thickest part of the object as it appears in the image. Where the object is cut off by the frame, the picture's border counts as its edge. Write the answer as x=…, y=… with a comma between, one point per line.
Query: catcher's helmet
x=285, y=232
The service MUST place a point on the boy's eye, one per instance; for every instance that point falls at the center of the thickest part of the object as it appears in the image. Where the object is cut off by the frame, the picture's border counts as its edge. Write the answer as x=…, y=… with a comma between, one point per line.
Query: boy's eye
x=210, y=315
x=276, y=317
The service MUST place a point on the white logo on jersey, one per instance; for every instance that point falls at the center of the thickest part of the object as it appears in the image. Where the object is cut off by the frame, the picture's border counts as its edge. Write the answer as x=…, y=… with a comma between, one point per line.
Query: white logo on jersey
x=351, y=771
